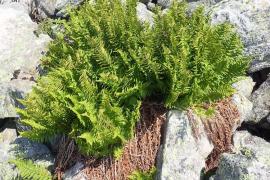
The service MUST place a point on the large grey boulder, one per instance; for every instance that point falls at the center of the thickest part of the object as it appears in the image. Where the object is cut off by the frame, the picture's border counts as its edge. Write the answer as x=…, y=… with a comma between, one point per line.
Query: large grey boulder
x=261, y=101
x=183, y=154
x=251, y=19
x=250, y=160
x=19, y=56
x=22, y=48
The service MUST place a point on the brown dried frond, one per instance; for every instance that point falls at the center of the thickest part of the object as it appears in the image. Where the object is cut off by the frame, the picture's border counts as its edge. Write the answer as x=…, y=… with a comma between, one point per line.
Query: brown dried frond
x=220, y=130
x=139, y=153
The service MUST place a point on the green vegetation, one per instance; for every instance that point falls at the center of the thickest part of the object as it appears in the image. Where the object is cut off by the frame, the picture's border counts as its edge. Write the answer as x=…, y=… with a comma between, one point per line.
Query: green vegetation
x=107, y=62
x=29, y=171
x=138, y=175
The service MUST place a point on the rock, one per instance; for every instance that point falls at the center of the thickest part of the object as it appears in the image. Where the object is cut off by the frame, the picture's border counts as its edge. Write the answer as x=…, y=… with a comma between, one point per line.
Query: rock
x=244, y=107
x=7, y=171
x=37, y=152
x=22, y=49
x=10, y=93
x=192, y=3
x=12, y=146
x=6, y=137
x=151, y=6
x=251, y=19
x=183, y=155
x=243, y=89
x=244, y=86
x=53, y=8
x=261, y=101
x=144, y=14
x=75, y=173
x=250, y=161
x=19, y=56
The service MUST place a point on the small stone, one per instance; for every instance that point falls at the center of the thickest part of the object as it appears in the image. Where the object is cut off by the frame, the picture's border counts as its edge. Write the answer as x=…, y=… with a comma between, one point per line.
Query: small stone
x=144, y=14
x=75, y=173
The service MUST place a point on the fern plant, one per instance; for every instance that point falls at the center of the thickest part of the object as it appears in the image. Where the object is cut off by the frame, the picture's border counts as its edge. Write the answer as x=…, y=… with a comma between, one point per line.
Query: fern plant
x=30, y=171
x=107, y=62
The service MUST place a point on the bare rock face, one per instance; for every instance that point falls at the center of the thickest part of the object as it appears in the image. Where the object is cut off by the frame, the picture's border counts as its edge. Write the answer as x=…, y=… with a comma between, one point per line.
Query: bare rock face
x=183, y=155
x=11, y=146
x=20, y=52
x=250, y=160
x=261, y=101
x=241, y=98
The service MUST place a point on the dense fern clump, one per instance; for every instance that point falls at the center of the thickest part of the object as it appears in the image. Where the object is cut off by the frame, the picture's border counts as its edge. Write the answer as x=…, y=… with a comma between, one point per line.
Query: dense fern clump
x=107, y=62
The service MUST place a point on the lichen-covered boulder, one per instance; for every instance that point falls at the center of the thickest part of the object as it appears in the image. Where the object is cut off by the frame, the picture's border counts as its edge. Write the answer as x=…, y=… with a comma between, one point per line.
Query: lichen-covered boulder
x=251, y=19
x=261, y=101
x=22, y=48
x=183, y=154
x=250, y=161
x=20, y=53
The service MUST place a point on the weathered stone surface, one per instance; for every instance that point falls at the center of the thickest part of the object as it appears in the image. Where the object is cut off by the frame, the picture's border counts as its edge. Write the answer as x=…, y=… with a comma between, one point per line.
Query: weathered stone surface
x=192, y=3
x=243, y=89
x=144, y=14
x=52, y=8
x=12, y=146
x=244, y=106
x=251, y=19
x=261, y=101
x=183, y=155
x=22, y=49
x=20, y=53
x=10, y=92
x=244, y=86
x=75, y=173
x=250, y=161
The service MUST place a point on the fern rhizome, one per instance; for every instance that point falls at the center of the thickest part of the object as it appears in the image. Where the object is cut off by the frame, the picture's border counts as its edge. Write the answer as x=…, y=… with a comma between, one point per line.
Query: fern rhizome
x=106, y=62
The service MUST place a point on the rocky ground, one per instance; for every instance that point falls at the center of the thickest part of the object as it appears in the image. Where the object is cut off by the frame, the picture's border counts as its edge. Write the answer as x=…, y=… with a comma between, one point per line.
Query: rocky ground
x=182, y=154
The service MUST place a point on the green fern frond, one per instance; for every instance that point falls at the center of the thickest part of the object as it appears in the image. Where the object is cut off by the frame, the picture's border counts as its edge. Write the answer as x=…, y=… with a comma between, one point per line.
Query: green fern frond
x=30, y=171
